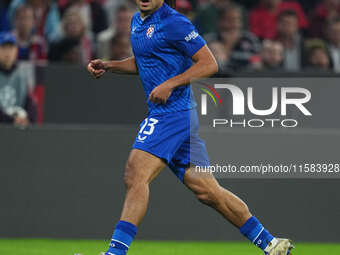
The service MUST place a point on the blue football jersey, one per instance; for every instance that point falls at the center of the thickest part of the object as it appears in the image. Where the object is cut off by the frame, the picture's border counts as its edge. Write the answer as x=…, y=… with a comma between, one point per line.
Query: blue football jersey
x=163, y=44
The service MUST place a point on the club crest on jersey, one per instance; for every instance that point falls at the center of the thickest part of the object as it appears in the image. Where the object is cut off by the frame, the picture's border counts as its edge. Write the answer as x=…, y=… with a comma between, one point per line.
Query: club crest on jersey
x=151, y=31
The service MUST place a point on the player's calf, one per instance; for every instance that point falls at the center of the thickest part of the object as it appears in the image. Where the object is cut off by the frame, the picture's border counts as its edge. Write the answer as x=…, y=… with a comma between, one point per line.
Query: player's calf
x=209, y=192
x=205, y=194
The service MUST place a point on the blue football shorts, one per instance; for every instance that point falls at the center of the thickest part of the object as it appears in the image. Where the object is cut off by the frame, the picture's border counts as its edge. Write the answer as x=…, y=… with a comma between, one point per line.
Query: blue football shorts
x=174, y=138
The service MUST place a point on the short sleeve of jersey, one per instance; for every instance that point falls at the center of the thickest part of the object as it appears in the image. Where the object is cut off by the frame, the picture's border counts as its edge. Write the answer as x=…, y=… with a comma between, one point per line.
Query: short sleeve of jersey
x=183, y=35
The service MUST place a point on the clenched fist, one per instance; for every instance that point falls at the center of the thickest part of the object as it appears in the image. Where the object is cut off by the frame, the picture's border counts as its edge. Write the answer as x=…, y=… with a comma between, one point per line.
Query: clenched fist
x=160, y=94
x=97, y=68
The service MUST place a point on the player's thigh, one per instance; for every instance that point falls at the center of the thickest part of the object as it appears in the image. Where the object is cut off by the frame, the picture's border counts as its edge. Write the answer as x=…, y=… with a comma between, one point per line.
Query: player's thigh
x=200, y=183
x=142, y=167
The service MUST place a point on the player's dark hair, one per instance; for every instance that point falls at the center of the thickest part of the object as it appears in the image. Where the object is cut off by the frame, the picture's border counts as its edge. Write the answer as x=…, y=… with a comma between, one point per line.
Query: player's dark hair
x=171, y=3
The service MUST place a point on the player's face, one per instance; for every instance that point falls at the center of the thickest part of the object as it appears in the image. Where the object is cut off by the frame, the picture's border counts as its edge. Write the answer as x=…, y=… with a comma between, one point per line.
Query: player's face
x=149, y=6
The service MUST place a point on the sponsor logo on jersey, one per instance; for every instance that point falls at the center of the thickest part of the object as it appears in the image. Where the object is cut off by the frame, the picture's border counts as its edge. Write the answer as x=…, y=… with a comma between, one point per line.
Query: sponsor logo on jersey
x=191, y=36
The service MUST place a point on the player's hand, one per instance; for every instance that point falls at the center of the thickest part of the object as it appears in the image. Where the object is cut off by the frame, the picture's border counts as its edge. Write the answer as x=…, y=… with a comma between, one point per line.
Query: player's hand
x=160, y=94
x=96, y=68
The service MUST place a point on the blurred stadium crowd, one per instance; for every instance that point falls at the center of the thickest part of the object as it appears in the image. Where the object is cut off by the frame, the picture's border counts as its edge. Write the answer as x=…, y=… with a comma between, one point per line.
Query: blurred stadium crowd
x=244, y=35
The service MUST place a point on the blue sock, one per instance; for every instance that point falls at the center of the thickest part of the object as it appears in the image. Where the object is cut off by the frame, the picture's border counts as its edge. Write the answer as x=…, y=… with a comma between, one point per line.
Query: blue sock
x=122, y=237
x=258, y=235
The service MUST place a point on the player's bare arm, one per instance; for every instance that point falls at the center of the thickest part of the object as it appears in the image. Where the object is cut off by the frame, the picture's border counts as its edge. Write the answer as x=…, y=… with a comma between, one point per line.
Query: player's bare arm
x=126, y=66
x=205, y=66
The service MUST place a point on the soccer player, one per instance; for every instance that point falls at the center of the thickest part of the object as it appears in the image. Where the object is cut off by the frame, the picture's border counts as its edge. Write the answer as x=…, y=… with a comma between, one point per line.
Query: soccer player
x=168, y=53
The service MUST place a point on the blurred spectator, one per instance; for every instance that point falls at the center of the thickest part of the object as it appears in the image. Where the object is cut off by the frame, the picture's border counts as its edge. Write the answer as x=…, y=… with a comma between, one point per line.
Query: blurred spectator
x=74, y=42
x=111, y=7
x=318, y=58
x=263, y=18
x=92, y=12
x=31, y=46
x=84, y=32
x=240, y=45
x=67, y=50
x=46, y=15
x=185, y=7
x=324, y=12
x=120, y=47
x=16, y=105
x=121, y=27
x=288, y=34
x=4, y=23
x=219, y=51
x=333, y=38
x=271, y=57
x=206, y=19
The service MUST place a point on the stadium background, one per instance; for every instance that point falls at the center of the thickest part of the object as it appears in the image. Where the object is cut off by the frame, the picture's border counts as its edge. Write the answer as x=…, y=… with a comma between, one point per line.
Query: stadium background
x=57, y=175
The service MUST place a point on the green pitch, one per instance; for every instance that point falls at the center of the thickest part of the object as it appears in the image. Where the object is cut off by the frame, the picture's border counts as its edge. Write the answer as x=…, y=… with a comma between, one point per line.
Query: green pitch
x=70, y=247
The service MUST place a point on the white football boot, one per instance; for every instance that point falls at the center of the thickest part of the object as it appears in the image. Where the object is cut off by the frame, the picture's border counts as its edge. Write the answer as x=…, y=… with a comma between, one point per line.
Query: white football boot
x=282, y=247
